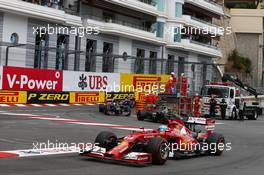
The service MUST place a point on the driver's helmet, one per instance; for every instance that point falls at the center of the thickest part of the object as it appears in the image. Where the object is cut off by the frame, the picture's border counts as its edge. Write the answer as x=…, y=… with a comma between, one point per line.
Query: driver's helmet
x=163, y=128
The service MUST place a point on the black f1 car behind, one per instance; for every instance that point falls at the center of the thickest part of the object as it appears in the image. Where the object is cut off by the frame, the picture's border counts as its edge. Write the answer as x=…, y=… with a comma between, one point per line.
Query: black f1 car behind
x=156, y=113
x=115, y=107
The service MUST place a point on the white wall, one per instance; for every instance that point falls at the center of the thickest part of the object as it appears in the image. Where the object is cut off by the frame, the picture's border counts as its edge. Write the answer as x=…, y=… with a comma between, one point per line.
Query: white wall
x=125, y=45
x=13, y=23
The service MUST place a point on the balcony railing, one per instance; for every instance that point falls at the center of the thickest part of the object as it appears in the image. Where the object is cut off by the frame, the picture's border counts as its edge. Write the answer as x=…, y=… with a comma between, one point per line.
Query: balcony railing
x=120, y=22
x=214, y=3
x=150, y=2
x=54, y=4
x=209, y=5
x=203, y=21
x=204, y=44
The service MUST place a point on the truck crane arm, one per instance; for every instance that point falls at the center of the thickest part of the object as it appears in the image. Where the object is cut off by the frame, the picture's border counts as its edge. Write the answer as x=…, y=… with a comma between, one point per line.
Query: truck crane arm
x=238, y=82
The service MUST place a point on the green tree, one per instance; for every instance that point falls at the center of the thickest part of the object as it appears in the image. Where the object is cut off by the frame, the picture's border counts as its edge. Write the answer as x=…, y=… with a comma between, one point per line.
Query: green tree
x=248, y=5
x=240, y=63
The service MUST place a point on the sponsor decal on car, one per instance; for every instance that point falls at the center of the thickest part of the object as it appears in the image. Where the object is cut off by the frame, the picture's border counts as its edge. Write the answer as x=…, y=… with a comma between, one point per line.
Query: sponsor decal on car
x=27, y=79
x=48, y=97
x=13, y=97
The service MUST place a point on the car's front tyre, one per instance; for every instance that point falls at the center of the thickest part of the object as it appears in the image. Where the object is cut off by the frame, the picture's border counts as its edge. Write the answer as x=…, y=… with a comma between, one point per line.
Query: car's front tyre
x=158, y=147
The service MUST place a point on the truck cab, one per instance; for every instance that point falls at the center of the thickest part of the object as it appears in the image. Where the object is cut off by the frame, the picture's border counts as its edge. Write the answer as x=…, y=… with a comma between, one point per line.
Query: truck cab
x=221, y=90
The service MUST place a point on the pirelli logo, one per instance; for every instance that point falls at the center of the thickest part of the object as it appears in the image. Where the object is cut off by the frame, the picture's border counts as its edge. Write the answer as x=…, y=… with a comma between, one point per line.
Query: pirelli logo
x=142, y=81
x=13, y=97
x=140, y=96
x=87, y=97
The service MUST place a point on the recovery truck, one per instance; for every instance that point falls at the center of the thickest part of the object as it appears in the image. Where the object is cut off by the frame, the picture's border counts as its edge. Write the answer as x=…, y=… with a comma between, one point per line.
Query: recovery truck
x=231, y=89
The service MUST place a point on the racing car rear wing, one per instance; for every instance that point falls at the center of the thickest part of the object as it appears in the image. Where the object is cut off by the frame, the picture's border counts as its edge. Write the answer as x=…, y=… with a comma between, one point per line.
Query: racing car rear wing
x=200, y=121
x=208, y=123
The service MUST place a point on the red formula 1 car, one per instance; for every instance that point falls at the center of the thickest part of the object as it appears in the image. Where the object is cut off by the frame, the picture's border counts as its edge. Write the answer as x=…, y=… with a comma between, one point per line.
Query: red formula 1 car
x=176, y=139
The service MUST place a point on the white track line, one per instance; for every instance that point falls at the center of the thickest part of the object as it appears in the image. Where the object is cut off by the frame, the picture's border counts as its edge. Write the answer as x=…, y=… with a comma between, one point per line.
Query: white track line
x=62, y=104
x=42, y=152
x=19, y=114
x=78, y=104
x=36, y=105
x=4, y=105
x=20, y=105
x=51, y=105
x=90, y=104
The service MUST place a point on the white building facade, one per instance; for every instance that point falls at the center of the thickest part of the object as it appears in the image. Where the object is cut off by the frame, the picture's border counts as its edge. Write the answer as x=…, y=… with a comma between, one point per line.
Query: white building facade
x=159, y=36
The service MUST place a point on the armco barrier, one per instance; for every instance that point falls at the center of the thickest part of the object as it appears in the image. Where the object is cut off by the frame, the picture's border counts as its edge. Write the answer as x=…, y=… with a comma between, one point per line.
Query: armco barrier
x=13, y=97
x=87, y=97
x=48, y=97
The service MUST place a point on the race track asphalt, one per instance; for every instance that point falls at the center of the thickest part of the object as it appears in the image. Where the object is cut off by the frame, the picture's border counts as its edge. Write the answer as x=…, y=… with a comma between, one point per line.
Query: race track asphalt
x=20, y=132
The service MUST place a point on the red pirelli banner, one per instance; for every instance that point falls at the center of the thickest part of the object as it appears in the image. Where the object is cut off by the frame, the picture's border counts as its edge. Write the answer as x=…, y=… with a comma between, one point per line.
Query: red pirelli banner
x=28, y=79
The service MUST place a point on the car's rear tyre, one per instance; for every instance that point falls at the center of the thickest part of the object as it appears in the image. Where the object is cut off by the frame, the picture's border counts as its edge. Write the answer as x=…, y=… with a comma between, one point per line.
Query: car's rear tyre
x=106, y=111
x=214, y=140
x=107, y=140
x=128, y=111
x=140, y=116
x=101, y=107
x=158, y=148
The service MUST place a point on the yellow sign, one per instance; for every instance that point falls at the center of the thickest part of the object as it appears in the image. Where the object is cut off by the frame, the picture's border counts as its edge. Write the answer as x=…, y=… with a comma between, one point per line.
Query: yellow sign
x=87, y=97
x=142, y=82
x=13, y=97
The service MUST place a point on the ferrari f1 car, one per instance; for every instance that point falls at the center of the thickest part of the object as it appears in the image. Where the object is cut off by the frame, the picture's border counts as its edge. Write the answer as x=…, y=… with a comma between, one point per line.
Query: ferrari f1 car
x=177, y=138
x=115, y=107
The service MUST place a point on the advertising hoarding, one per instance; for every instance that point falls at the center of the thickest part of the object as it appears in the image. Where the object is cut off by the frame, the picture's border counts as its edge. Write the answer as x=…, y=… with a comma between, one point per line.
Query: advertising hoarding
x=87, y=97
x=90, y=81
x=13, y=97
x=48, y=97
x=28, y=79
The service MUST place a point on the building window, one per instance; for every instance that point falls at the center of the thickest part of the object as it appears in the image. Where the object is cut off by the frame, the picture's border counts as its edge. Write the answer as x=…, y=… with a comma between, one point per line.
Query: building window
x=170, y=64
x=90, y=61
x=41, y=50
x=139, y=62
x=153, y=62
x=204, y=73
x=108, y=62
x=14, y=38
x=177, y=34
x=160, y=5
x=160, y=29
x=62, y=49
x=178, y=9
x=181, y=66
